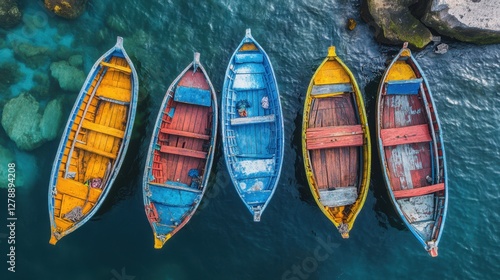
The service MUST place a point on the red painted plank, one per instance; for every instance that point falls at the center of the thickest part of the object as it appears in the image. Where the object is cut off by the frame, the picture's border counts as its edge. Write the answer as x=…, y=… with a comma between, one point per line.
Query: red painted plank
x=185, y=133
x=405, y=135
x=183, y=152
x=335, y=136
x=418, y=191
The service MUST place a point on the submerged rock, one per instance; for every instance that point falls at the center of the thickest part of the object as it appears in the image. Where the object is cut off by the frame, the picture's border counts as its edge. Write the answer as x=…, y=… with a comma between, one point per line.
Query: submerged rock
x=473, y=21
x=9, y=75
x=69, y=9
x=69, y=77
x=10, y=15
x=351, y=24
x=33, y=56
x=394, y=23
x=26, y=126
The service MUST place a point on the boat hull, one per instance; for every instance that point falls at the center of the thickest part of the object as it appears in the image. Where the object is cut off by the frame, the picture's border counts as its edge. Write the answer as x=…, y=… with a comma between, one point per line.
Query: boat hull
x=180, y=156
x=252, y=125
x=94, y=142
x=411, y=149
x=336, y=143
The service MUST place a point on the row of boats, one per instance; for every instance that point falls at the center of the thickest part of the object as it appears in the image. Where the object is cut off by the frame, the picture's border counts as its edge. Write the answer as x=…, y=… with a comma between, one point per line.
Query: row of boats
x=335, y=142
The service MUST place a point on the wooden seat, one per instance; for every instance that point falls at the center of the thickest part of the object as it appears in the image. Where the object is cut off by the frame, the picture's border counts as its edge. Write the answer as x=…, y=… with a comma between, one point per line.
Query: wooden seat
x=410, y=86
x=185, y=133
x=177, y=187
x=418, y=191
x=103, y=129
x=331, y=88
x=253, y=120
x=183, y=152
x=334, y=137
x=77, y=189
x=94, y=150
x=114, y=93
x=405, y=135
x=123, y=69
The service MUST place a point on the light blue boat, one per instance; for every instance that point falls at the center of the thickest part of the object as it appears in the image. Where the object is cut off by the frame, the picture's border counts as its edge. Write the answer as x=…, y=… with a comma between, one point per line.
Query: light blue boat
x=252, y=125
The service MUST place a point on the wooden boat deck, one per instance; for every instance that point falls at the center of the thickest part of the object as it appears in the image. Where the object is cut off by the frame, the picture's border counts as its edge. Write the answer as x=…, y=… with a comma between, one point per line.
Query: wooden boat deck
x=184, y=138
x=94, y=141
x=334, y=167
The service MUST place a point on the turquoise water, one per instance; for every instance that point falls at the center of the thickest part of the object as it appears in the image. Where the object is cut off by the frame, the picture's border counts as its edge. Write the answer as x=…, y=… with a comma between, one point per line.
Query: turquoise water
x=294, y=240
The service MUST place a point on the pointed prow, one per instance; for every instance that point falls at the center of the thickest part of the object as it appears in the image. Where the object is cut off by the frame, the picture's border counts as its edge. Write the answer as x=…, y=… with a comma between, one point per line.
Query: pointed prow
x=119, y=42
x=248, y=33
x=331, y=51
x=53, y=239
x=196, y=61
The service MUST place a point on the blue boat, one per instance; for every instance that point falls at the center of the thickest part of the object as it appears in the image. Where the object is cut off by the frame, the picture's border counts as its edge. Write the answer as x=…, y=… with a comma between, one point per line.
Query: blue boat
x=252, y=125
x=181, y=152
x=411, y=148
x=94, y=142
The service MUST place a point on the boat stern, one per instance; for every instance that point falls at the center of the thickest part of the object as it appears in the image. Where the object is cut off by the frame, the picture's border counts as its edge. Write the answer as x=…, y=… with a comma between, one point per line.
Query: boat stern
x=54, y=238
x=160, y=240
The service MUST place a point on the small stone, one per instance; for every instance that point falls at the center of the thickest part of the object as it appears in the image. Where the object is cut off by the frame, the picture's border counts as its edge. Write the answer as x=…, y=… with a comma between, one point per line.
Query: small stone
x=441, y=48
x=351, y=24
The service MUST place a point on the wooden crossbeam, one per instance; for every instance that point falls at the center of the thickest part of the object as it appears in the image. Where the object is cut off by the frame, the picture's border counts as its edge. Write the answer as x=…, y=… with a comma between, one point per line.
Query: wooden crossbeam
x=405, y=135
x=185, y=133
x=183, y=152
x=117, y=67
x=334, y=137
x=94, y=150
x=418, y=191
x=103, y=129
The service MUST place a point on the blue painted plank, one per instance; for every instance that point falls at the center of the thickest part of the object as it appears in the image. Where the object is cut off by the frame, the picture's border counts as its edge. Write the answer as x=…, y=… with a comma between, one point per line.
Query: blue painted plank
x=194, y=96
x=172, y=197
x=248, y=57
x=249, y=68
x=249, y=82
x=256, y=197
x=253, y=120
x=403, y=86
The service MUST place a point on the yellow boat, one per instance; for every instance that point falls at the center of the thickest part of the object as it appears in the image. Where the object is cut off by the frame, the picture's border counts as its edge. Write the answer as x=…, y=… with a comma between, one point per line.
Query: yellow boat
x=94, y=142
x=336, y=143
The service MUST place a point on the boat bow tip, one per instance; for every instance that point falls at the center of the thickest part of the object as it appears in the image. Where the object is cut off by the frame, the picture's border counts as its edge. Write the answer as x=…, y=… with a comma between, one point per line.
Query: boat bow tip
x=119, y=41
x=53, y=240
x=331, y=51
x=248, y=33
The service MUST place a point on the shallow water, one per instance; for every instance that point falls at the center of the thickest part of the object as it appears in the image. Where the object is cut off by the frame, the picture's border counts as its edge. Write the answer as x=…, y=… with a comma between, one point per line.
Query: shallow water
x=294, y=240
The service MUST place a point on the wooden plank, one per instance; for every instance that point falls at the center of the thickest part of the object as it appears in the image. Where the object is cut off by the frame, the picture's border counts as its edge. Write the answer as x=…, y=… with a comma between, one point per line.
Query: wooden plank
x=103, y=129
x=94, y=150
x=77, y=189
x=183, y=152
x=177, y=187
x=418, y=191
x=123, y=69
x=334, y=136
x=405, y=135
x=114, y=93
x=253, y=120
x=185, y=133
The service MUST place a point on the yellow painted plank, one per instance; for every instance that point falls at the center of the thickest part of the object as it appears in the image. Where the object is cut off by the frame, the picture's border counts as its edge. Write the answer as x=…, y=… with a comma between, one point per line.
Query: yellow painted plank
x=103, y=129
x=400, y=70
x=115, y=93
x=331, y=72
x=62, y=224
x=77, y=189
x=94, y=150
x=117, y=67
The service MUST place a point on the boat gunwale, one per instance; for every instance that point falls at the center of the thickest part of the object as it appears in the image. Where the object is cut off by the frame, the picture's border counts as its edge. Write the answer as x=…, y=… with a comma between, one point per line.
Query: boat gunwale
x=280, y=139
x=117, y=48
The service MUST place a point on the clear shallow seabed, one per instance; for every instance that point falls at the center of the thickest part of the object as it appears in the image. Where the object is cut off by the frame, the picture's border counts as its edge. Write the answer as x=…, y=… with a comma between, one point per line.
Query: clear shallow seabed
x=294, y=240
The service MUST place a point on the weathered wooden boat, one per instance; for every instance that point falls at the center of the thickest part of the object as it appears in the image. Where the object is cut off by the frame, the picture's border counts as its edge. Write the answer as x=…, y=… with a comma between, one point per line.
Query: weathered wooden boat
x=252, y=125
x=94, y=142
x=336, y=143
x=411, y=149
x=181, y=152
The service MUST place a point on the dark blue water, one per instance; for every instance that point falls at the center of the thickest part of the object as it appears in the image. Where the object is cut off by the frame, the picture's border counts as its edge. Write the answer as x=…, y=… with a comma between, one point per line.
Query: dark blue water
x=294, y=240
